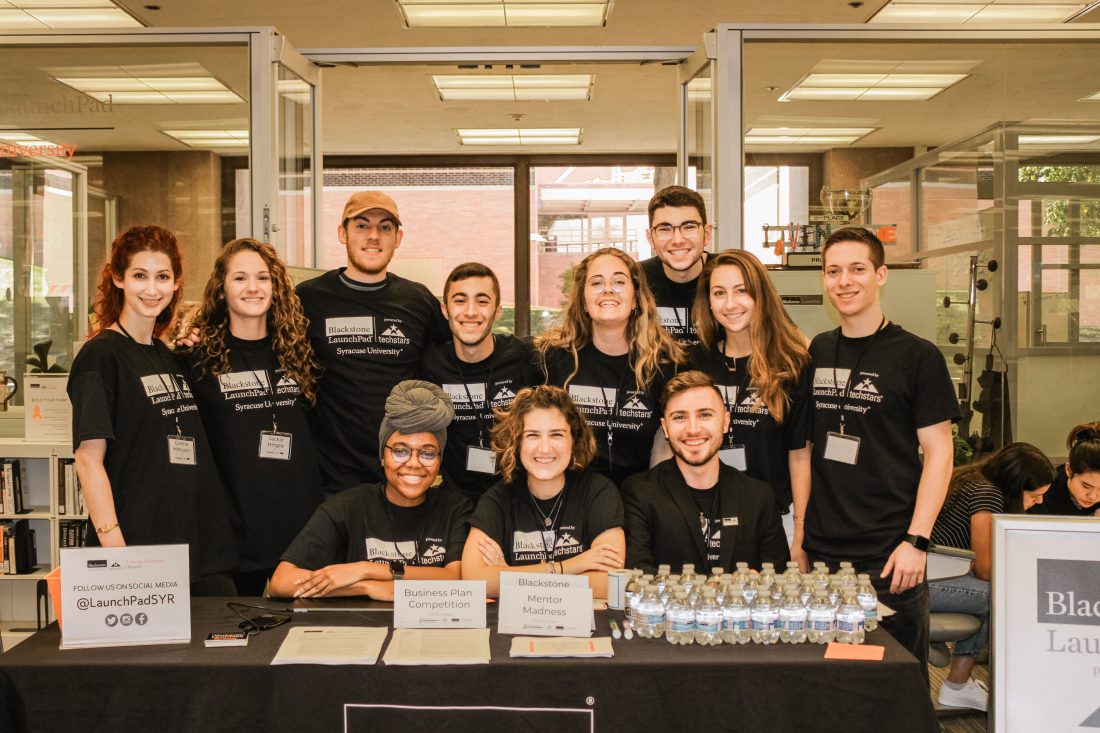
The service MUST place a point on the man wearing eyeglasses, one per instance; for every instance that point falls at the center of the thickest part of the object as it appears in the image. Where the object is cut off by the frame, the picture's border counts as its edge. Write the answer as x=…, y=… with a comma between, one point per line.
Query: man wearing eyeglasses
x=361, y=540
x=368, y=328
x=680, y=235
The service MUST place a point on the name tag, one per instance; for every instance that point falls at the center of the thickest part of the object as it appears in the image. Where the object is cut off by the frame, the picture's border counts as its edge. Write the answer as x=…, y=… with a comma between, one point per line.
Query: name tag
x=275, y=446
x=729, y=521
x=734, y=456
x=181, y=450
x=480, y=460
x=842, y=448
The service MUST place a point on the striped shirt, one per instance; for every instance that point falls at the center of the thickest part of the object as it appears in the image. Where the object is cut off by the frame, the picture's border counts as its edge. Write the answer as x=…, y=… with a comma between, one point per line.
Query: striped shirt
x=971, y=495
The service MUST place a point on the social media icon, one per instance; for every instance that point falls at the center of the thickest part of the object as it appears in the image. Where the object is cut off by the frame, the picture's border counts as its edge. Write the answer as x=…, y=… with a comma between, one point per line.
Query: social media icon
x=111, y=620
x=127, y=619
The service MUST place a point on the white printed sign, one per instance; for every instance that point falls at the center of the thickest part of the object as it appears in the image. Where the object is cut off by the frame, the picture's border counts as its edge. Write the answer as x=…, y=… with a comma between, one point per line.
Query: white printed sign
x=533, y=604
x=123, y=596
x=439, y=604
x=1046, y=623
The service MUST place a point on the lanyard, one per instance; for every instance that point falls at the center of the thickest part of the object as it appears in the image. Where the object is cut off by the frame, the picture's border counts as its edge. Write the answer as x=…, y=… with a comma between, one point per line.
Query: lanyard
x=479, y=413
x=854, y=370
x=415, y=558
x=175, y=392
x=741, y=384
x=613, y=406
x=270, y=386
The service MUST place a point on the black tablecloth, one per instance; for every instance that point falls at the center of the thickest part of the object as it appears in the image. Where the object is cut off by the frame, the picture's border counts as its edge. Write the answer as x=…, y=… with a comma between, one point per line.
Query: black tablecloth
x=648, y=685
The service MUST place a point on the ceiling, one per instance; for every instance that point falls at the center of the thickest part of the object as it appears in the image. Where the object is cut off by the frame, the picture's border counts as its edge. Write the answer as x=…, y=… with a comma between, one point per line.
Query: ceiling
x=383, y=110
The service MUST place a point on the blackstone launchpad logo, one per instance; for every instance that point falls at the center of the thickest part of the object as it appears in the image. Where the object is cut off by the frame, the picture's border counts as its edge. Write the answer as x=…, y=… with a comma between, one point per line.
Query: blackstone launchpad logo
x=1069, y=594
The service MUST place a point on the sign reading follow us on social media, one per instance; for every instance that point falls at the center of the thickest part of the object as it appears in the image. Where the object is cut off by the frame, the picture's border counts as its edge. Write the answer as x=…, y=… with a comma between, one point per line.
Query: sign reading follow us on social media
x=123, y=596
x=1046, y=624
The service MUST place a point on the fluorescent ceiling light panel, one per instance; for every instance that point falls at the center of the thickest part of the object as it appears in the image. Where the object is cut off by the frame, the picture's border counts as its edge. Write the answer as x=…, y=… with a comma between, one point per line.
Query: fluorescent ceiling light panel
x=514, y=88
x=876, y=87
x=124, y=85
x=24, y=140
x=503, y=13
x=520, y=136
x=210, y=138
x=813, y=136
x=971, y=11
x=43, y=14
x=1091, y=98
x=698, y=89
x=1049, y=140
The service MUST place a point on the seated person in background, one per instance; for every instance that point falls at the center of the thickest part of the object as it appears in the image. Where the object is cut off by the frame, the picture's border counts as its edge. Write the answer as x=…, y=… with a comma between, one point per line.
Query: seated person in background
x=1010, y=481
x=693, y=508
x=548, y=515
x=1075, y=490
x=362, y=539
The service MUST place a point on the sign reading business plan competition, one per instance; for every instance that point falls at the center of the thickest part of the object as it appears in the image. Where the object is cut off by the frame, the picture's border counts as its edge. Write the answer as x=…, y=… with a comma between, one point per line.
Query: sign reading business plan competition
x=120, y=596
x=1046, y=624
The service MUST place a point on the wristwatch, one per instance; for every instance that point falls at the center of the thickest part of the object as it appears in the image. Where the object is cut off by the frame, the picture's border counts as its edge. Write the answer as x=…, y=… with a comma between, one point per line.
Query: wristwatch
x=921, y=543
x=398, y=568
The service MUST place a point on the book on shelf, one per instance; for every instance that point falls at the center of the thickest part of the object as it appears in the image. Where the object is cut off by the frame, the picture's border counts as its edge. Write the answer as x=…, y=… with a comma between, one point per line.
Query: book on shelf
x=20, y=551
x=70, y=500
x=5, y=531
x=72, y=533
x=13, y=477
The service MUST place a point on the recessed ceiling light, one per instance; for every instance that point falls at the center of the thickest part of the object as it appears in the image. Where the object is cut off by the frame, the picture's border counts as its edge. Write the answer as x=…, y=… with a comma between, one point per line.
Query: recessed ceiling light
x=806, y=136
x=502, y=13
x=977, y=11
x=23, y=140
x=1054, y=140
x=514, y=88
x=43, y=14
x=520, y=136
x=191, y=84
x=210, y=138
x=871, y=87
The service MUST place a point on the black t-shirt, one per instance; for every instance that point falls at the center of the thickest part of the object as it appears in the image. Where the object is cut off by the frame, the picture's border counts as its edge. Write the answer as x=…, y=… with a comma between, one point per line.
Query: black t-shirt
x=589, y=507
x=861, y=512
x=273, y=498
x=605, y=390
x=767, y=443
x=367, y=338
x=674, y=301
x=362, y=524
x=134, y=396
x=1058, y=501
x=710, y=524
x=476, y=390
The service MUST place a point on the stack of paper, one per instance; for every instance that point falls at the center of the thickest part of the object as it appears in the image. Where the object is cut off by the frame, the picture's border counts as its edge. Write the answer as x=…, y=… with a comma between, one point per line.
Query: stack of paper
x=331, y=645
x=438, y=646
x=561, y=646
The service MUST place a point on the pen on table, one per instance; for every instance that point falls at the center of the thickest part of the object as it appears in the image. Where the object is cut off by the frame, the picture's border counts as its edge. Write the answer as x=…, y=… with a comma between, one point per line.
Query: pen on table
x=615, y=633
x=628, y=629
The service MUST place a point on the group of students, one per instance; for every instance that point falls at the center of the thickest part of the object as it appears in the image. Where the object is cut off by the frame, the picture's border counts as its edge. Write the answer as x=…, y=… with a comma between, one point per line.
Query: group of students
x=674, y=414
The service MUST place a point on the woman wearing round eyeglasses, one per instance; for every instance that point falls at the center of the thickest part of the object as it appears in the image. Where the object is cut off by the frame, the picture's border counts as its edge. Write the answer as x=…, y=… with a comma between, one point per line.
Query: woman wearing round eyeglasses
x=547, y=515
x=364, y=538
x=613, y=357
x=758, y=358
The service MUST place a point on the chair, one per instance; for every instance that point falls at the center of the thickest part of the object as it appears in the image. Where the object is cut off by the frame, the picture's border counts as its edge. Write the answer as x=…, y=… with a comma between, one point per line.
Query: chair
x=945, y=563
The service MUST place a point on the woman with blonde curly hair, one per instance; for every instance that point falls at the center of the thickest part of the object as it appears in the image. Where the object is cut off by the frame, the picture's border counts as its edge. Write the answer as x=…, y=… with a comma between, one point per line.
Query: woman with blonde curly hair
x=758, y=359
x=547, y=514
x=141, y=451
x=254, y=375
x=612, y=355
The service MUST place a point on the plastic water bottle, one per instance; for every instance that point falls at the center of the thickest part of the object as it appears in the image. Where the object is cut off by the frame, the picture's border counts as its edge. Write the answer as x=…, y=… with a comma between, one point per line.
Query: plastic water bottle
x=631, y=595
x=806, y=591
x=650, y=615
x=765, y=616
x=663, y=572
x=736, y=619
x=767, y=575
x=792, y=618
x=751, y=588
x=822, y=623
x=868, y=600
x=681, y=621
x=708, y=620
x=849, y=620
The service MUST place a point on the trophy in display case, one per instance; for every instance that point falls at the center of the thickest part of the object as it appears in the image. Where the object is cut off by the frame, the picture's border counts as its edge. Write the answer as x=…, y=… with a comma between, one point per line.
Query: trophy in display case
x=851, y=203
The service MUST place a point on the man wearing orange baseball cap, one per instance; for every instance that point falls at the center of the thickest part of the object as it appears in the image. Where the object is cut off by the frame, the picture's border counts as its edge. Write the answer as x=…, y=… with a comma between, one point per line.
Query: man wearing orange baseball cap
x=368, y=328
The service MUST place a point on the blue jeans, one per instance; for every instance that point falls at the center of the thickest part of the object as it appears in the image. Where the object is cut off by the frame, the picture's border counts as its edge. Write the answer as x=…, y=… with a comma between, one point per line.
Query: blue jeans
x=965, y=594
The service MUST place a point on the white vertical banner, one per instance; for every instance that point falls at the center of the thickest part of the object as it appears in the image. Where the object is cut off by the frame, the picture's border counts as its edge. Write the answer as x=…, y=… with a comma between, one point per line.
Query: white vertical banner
x=1046, y=624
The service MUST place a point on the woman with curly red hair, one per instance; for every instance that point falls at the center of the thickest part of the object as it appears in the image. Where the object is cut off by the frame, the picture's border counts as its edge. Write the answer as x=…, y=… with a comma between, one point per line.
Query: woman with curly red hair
x=254, y=375
x=141, y=452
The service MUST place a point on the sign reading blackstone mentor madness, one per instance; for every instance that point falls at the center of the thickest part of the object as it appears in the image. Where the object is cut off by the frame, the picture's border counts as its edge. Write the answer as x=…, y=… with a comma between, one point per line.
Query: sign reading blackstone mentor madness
x=121, y=596
x=1046, y=624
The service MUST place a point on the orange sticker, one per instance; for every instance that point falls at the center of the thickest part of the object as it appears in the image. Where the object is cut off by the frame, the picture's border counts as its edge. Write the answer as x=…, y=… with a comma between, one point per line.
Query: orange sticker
x=887, y=235
x=861, y=652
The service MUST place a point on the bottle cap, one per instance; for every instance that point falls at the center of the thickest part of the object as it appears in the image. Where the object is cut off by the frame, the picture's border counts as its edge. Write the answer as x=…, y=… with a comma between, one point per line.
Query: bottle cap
x=717, y=571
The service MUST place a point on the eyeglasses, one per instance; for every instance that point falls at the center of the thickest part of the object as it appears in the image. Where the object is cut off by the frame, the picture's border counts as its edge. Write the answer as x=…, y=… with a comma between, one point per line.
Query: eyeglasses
x=402, y=454
x=689, y=229
x=617, y=284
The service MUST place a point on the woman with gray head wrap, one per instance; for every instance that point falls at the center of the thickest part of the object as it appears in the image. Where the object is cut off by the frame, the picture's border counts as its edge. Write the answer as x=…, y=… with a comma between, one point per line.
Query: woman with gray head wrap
x=364, y=538
x=415, y=406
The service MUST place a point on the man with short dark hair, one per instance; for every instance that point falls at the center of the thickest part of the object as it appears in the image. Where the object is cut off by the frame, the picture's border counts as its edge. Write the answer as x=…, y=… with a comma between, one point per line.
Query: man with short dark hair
x=693, y=508
x=680, y=235
x=368, y=328
x=479, y=370
x=881, y=398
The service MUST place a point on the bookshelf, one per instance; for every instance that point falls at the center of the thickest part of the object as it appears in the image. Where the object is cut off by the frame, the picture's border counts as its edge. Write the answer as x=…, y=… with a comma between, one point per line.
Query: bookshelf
x=42, y=467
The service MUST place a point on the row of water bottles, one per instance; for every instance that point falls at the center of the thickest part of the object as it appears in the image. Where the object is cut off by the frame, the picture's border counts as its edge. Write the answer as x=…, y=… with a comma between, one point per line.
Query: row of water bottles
x=743, y=606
